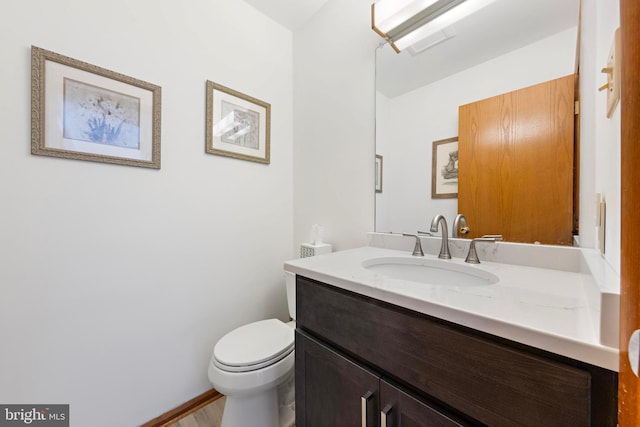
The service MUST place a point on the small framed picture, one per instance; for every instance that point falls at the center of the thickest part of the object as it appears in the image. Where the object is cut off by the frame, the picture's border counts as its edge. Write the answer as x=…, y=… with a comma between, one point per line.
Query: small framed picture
x=378, y=173
x=238, y=125
x=81, y=111
x=444, y=169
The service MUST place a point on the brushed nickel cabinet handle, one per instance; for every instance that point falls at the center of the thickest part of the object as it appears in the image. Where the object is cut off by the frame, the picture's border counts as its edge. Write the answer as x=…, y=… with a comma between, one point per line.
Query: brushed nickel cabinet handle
x=384, y=414
x=363, y=407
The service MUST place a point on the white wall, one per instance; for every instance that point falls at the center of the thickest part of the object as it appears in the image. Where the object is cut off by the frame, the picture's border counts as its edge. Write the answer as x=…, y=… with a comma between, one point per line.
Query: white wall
x=116, y=281
x=408, y=124
x=599, y=136
x=333, y=123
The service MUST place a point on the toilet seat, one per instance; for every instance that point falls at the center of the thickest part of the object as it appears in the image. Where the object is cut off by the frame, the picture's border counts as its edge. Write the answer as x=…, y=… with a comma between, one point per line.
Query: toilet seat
x=254, y=346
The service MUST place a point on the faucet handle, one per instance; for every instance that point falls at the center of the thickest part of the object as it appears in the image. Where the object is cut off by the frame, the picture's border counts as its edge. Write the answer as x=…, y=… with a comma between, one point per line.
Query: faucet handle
x=425, y=233
x=472, y=256
x=417, y=249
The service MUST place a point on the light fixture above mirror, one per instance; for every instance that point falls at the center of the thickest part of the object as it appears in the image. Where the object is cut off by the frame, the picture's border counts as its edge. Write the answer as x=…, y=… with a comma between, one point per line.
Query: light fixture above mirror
x=405, y=23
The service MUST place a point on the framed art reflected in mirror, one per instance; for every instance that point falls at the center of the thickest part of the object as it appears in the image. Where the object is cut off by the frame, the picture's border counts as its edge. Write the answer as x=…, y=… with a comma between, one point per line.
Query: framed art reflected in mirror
x=444, y=169
x=378, y=173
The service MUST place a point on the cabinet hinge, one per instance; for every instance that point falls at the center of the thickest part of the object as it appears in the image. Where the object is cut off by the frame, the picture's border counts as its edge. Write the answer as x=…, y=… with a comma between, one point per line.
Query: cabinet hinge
x=576, y=107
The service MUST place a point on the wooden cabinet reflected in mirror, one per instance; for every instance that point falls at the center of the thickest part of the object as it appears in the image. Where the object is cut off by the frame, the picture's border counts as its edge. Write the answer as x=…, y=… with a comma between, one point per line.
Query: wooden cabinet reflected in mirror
x=516, y=157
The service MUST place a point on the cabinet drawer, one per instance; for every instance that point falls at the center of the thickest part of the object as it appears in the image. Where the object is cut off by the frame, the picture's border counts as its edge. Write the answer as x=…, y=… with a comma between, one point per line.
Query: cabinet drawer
x=494, y=384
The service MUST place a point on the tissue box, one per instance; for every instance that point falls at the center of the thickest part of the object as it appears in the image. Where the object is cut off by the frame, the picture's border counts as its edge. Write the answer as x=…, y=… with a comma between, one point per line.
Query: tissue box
x=310, y=249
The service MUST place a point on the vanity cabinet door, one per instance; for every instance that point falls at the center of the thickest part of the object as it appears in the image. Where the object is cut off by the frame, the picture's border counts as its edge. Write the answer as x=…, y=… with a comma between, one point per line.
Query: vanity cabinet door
x=331, y=390
x=399, y=409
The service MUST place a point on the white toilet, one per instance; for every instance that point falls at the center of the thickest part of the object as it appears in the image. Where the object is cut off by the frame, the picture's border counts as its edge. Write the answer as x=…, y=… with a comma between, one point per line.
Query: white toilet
x=253, y=367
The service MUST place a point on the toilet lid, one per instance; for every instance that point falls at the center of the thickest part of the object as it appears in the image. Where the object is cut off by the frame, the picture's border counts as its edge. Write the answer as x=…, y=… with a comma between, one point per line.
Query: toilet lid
x=254, y=345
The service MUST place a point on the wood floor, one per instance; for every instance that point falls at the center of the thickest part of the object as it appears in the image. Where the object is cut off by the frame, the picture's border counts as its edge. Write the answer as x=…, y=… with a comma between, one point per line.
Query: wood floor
x=207, y=416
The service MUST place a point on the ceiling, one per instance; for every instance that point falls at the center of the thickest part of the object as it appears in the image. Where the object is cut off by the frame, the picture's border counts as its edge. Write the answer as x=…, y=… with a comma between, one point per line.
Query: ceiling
x=288, y=13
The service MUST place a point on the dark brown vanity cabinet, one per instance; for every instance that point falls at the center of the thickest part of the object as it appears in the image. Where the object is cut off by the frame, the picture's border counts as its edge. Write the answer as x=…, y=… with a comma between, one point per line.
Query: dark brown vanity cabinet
x=359, y=358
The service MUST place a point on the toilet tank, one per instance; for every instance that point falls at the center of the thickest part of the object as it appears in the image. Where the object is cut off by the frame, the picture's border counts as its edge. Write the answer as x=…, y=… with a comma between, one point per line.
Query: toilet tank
x=290, y=282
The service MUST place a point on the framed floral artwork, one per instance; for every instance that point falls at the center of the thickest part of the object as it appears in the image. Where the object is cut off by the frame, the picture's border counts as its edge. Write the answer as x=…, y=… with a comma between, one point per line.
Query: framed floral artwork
x=82, y=111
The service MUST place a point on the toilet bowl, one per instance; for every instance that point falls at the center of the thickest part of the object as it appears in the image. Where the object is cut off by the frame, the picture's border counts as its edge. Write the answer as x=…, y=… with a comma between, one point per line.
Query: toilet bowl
x=253, y=367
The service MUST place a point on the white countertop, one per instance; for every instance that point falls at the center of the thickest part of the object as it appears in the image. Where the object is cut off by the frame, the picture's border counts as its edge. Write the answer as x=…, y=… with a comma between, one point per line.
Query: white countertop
x=541, y=307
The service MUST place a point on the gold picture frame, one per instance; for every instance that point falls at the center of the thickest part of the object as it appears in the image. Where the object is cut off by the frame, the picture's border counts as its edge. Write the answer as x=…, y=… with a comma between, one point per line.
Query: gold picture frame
x=444, y=169
x=238, y=125
x=85, y=112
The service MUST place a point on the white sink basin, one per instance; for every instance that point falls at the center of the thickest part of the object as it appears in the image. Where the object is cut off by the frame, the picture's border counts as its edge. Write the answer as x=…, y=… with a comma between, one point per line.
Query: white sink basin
x=429, y=271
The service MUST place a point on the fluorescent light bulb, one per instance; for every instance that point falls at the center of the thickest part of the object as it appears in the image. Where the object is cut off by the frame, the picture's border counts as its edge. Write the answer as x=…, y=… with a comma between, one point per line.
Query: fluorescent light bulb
x=438, y=24
x=388, y=14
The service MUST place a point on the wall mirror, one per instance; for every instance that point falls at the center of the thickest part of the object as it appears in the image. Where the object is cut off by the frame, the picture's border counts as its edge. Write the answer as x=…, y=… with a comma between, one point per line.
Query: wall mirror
x=506, y=46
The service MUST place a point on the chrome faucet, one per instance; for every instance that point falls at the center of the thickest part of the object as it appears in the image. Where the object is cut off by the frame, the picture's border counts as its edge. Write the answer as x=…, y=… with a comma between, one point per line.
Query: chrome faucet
x=472, y=256
x=444, y=249
x=460, y=223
